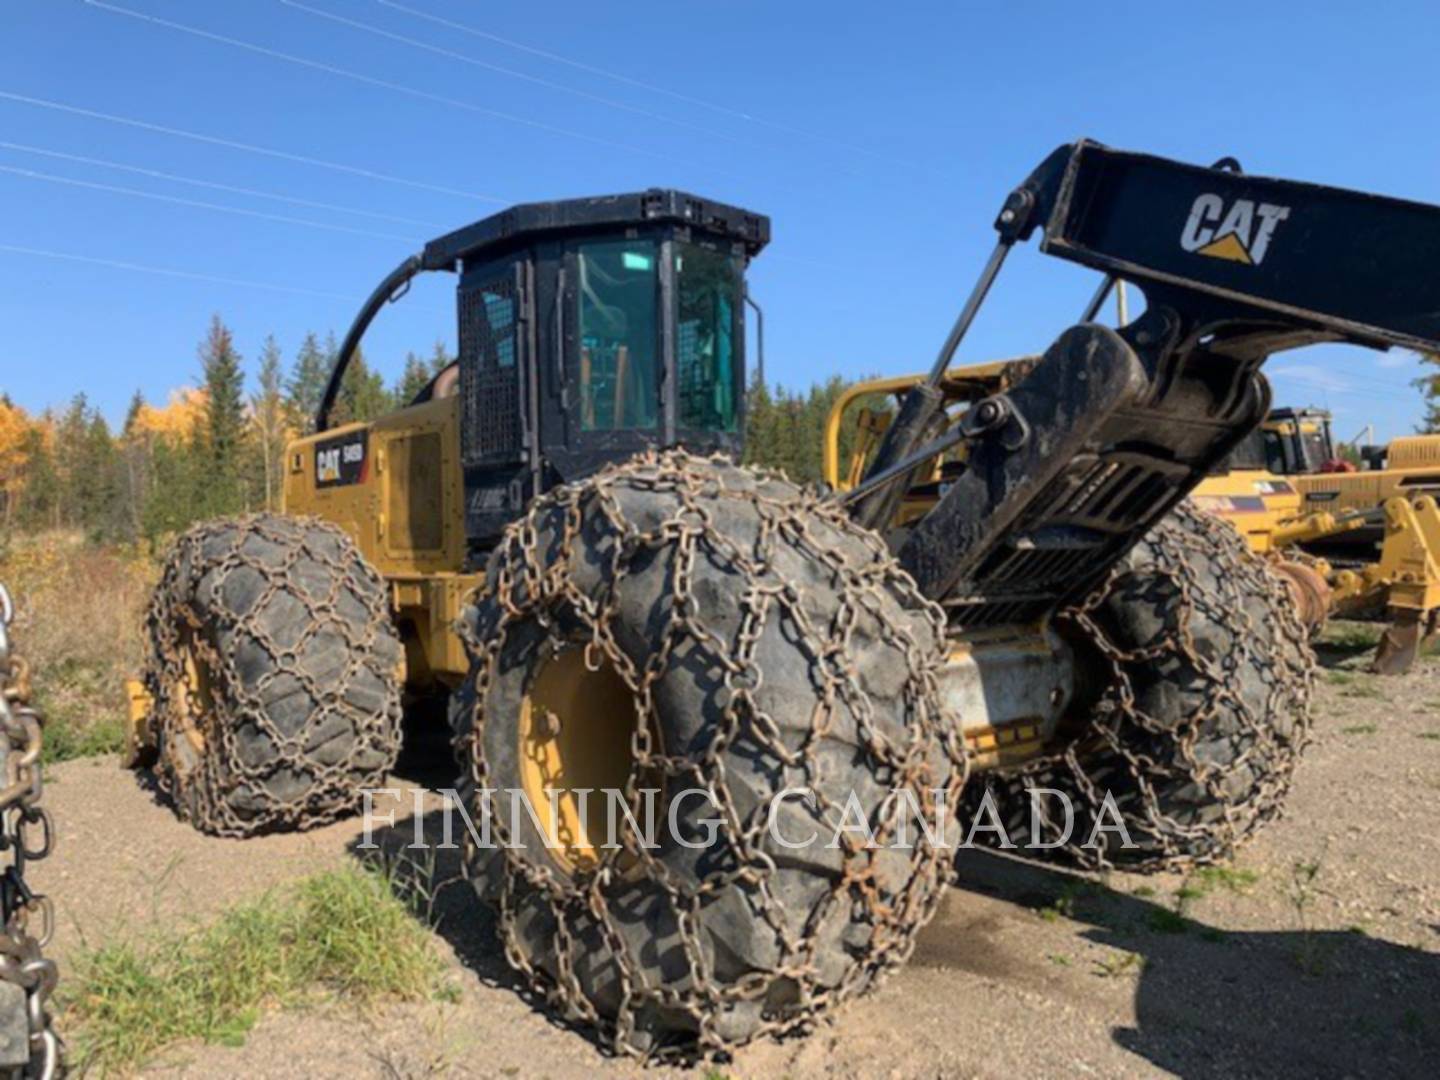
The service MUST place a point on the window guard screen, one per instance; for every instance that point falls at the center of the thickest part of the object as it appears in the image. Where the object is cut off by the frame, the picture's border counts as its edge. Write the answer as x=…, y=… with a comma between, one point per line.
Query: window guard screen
x=706, y=289
x=489, y=376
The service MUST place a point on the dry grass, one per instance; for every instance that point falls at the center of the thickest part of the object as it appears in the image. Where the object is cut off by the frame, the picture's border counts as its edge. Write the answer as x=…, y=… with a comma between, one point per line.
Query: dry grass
x=79, y=624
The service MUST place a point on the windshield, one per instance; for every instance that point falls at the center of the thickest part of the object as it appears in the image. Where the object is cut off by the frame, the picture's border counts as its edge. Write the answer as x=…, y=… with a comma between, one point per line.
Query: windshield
x=1250, y=453
x=706, y=291
x=1316, y=444
x=1275, y=453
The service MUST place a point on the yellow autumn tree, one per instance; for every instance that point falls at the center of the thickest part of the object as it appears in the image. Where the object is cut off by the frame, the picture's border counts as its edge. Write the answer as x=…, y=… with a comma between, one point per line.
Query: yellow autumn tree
x=175, y=421
x=15, y=428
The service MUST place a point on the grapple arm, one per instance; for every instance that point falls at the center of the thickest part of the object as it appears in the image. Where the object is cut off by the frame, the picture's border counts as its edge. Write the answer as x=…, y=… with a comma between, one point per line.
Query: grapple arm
x=1112, y=428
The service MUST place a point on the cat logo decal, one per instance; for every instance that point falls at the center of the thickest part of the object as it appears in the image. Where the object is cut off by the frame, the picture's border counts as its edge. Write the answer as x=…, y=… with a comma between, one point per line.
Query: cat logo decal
x=1240, y=233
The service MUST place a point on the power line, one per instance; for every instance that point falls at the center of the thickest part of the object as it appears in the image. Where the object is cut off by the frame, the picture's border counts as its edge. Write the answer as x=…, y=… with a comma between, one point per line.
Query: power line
x=386, y=84
x=253, y=192
x=249, y=148
x=637, y=83
x=113, y=264
x=369, y=28
x=30, y=174
x=1324, y=385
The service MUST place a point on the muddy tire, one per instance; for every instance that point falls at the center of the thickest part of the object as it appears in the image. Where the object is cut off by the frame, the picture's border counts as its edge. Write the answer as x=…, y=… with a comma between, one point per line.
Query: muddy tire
x=1207, y=676
x=274, y=672
x=745, y=638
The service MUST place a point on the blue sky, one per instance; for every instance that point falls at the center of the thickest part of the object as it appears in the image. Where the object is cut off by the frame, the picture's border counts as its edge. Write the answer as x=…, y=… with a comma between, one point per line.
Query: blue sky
x=880, y=139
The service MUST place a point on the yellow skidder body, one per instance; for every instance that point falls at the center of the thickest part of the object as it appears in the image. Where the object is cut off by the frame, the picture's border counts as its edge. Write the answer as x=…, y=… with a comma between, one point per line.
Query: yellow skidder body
x=1006, y=594
x=395, y=487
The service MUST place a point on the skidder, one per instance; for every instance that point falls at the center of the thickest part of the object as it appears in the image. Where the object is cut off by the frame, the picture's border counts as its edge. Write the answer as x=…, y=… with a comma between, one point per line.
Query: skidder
x=713, y=727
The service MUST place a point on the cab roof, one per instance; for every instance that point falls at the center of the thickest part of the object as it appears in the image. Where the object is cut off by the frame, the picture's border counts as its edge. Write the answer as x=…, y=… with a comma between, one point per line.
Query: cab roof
x=513, y=227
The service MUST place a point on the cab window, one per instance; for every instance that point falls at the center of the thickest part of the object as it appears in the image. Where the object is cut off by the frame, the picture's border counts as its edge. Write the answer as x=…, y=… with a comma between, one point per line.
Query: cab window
x=706, y=291
x=618, y=335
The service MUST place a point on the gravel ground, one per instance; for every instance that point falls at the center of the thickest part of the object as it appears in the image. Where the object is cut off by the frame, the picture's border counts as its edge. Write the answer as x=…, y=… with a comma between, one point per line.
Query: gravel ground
x=1319, y=956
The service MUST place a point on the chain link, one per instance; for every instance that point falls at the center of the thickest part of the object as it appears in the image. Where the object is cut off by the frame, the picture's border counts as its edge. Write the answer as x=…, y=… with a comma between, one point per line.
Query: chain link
x=688, y=514
x=26, y=835
x=1211, y=760
x=253, y=610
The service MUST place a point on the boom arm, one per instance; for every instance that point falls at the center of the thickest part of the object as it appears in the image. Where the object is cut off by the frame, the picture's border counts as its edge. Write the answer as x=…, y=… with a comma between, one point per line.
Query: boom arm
x=1111, y=429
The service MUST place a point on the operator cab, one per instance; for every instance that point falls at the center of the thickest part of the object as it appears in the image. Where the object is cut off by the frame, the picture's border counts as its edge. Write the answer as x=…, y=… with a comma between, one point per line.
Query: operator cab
x=1298, y=441
x=590, y=330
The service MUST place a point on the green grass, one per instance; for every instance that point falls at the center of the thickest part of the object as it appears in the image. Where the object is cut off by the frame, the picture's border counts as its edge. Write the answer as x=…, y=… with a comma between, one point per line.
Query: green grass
x=1432, y=735
x=1359, y=729
x=1339, y=678
x=1234, y=879
x=1112, y=967
x=1352, y=635
x=1164, y=921
x=1362, y=687
x=78, y=700
x=65, y=741
x=342, y=936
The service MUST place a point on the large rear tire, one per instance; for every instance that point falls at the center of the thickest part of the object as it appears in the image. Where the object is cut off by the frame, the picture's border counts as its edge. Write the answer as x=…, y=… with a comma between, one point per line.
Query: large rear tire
x=683, y=624
x=274, y=672
x=1207, y=675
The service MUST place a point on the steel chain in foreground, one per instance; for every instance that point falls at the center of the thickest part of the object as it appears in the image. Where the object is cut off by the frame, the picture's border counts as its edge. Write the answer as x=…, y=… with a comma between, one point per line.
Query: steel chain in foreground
x=693, y=516
x=28, y=1045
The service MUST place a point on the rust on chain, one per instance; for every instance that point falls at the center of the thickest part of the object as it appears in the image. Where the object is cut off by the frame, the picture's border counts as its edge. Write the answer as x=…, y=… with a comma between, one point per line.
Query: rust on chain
x=528, y=581
x=1161, y=754
x=201, y=705
x=22, y=960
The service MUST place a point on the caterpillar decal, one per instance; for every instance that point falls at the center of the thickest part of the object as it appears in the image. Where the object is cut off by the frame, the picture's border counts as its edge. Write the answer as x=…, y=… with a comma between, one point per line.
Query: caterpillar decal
x=1240, y=234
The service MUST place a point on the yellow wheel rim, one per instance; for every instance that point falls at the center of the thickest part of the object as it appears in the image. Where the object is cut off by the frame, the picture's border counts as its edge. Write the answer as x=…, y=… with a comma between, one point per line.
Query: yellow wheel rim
x=194, y=693
x=576, y=734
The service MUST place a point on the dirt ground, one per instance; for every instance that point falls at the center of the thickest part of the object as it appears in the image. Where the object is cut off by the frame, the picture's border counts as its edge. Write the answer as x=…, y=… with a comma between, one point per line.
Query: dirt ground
x=1319, y=955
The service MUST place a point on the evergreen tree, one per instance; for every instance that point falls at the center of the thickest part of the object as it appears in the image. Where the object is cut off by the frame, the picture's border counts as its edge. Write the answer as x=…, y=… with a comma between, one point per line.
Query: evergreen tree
x=306, y=384
x=1429, y=387
x=71, y=436
x=363, y=396
x=413, y=379
x=440, y=358
x=761, y=429
x=40, y=504
x=99, y=489
x=133, y=412
x=135, y=467
x=223, y=434
x=267, y=410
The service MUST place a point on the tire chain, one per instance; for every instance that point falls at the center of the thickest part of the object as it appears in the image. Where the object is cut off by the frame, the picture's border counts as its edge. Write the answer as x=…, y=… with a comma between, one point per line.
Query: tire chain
x=22, y=962
x=525, y=586
x=1119, y=734
x=172, y=620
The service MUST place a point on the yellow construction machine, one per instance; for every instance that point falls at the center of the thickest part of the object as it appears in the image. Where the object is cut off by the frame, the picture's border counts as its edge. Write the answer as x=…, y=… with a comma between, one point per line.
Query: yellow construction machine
x=714, y=729
x=1354, y=542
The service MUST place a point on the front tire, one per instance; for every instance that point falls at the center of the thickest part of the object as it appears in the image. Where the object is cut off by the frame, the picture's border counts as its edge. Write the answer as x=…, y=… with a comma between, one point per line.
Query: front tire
x=687, y=625
x=274, y=672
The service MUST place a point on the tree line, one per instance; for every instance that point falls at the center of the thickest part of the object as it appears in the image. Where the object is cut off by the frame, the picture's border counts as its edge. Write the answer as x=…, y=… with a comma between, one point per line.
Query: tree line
x=218, y=447
x=215, y=448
